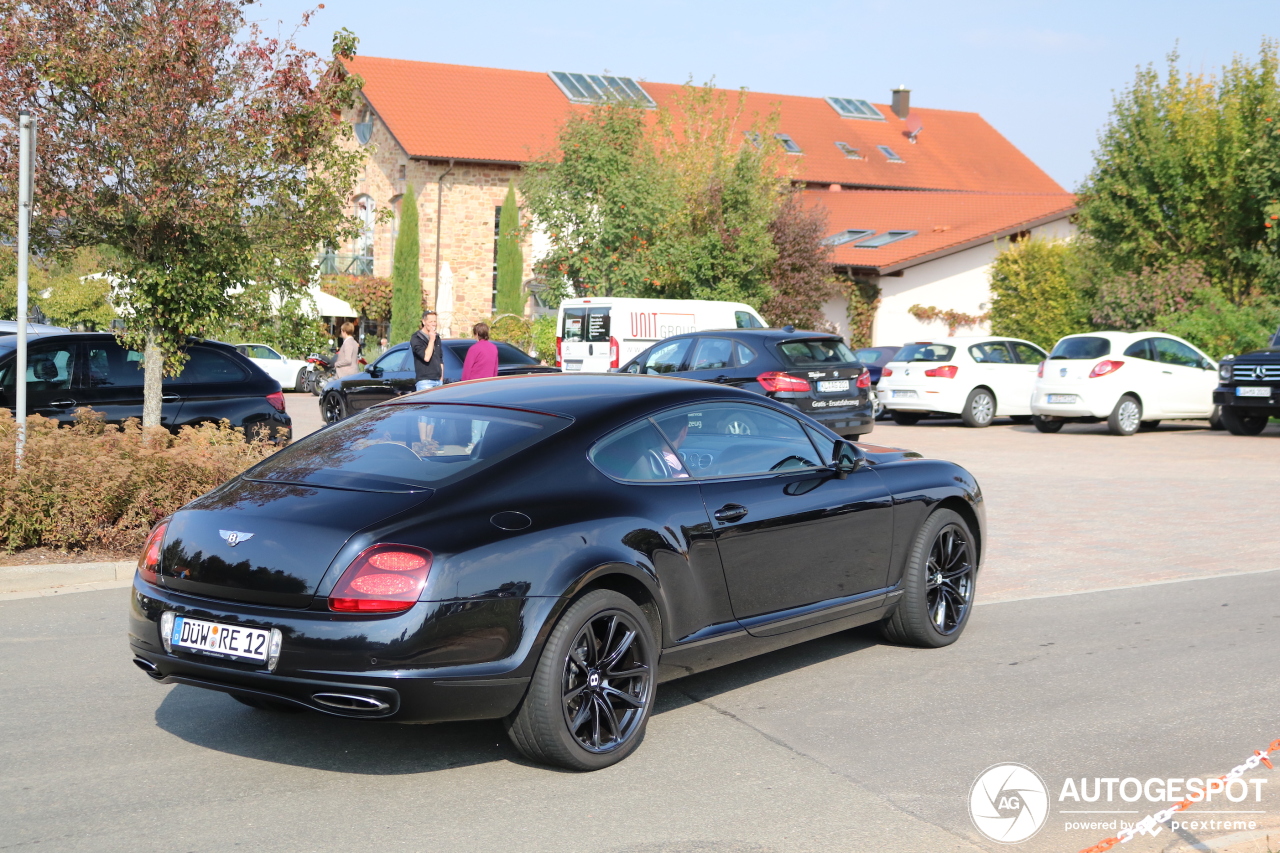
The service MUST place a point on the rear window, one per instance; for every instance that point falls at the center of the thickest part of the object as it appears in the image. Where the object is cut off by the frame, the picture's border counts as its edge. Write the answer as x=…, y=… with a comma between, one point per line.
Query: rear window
x=925, y=352
x=1081, y=348
x=393, y=447
x=587, y=324
x=508, y=356
x=206, y=365
x=816, y=351
x=875, y=355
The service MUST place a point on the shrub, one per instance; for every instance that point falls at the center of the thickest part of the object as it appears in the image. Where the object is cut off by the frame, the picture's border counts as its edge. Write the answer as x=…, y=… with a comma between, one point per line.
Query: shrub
x=103, y=486
x=544, y=338
x=1133, y=301
x=1210, y=321
x=1038, y=292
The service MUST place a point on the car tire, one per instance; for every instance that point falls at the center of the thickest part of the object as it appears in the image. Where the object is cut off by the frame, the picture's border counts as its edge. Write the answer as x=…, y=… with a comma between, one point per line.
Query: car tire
x=263, y=704
x=572, y=684
x=333, y=409
x=1021, y=419
x=1241, y=424
x=1046, y=425
x=1126, y=417
x=1149, y=426
x=300, y=382
x=938, y=584
x=979, y=408
x=1215, y=419
x=906, y=418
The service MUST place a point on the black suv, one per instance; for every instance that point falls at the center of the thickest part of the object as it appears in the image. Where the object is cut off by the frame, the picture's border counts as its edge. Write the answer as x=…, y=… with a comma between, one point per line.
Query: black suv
x=70, y=371
x=812, y=371
x=1249, y=393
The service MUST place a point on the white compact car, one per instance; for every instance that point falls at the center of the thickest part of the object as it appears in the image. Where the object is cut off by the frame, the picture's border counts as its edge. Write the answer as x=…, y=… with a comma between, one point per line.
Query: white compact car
x=1131, y=380
x=977, y=378
x=287, y=371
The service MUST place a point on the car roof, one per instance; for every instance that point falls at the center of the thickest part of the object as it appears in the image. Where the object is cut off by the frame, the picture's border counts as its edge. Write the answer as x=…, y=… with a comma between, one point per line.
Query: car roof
x=772, y=333
x=8, y=342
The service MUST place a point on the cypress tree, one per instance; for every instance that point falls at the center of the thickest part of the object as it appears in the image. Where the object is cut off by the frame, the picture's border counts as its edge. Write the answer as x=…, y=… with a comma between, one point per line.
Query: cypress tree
x=406, y=283
x=510, y=259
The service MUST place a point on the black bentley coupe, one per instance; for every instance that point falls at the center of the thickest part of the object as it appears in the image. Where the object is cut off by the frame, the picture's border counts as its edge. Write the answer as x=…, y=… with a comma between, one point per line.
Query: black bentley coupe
x=546, y=549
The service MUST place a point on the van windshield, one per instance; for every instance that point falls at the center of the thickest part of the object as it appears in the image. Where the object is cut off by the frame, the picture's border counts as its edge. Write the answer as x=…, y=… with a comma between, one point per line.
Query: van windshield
x=586, y=324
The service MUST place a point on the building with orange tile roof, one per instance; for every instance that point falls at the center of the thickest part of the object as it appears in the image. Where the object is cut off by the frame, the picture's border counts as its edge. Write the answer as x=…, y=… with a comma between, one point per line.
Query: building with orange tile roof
x=945, y=184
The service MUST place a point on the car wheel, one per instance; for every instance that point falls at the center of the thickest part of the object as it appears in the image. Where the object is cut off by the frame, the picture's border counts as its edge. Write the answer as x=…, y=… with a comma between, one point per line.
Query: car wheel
x=1045, y=425
x=736, y=424
x=264, y=704
x=1149, y=426
x=938, y=585
x=1241, y=424
x=1020, y=419
x=1126, y=417
x=591, y=695
x=333, y=409
x=979, y=408
x=907, y=418
x=300, y=383
x=1215, y=419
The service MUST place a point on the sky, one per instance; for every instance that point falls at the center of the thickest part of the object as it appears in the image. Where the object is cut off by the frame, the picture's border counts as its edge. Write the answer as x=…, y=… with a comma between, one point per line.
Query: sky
x=1044, y=74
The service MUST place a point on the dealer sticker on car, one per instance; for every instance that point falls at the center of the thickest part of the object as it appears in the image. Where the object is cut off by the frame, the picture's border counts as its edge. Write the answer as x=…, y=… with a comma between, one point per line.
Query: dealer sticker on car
x=230, y=641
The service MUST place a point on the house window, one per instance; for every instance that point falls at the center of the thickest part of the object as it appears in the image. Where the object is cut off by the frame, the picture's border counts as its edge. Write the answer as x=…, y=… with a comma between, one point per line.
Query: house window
x=402, y=171
x=889, y=154
x=884, y=239
x=788, y=143
x=849, y=151
x=855, y=108
x=601, y=89
x=848, y=236
x=364, y=126
x=366, y=212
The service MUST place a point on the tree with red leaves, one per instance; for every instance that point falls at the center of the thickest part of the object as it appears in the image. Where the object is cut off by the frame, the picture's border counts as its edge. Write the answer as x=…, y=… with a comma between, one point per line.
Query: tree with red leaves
x=207, y=154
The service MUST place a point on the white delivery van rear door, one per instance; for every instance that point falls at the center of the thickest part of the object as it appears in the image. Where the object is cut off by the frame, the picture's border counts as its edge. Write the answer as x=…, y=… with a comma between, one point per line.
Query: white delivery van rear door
x=586, y=344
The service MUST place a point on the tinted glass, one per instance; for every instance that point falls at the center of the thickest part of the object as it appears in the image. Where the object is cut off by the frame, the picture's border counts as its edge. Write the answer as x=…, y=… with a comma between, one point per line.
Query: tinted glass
x=991, y=353
x=667, y=358
x=112, y=366
x=574, y=320
x=925, y=352
x=712, y=354
x=638, y=452
x=745, y=354
x=746, y=320
x=508, y=356
x=1175, y=352
x=824, y=351
x=826, y=446
x=396, y=361
x=735, y=439
x=415, y=445
x=259, y=351
x=1141, y=349
x=1081, y=348
x=49, y=368
x=210, y=366
x=875, y=355
x=1026, y=353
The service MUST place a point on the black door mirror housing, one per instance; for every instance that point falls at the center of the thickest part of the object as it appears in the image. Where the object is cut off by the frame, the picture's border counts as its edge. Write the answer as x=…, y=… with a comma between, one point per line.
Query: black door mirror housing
x=375, y=372
x=846, y=458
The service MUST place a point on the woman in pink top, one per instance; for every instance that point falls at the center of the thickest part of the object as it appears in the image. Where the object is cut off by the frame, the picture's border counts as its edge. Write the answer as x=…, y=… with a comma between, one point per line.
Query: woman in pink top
x=482, y=357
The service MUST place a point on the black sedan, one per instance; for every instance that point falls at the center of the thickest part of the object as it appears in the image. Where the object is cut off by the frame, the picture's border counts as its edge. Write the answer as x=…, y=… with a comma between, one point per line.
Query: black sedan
x=811, y=371
x=92, y=370
x=392, y=375
x=547, y=549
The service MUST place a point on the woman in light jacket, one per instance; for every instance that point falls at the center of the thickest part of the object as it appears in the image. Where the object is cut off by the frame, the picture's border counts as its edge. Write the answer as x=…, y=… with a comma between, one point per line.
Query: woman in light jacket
x=348, y=360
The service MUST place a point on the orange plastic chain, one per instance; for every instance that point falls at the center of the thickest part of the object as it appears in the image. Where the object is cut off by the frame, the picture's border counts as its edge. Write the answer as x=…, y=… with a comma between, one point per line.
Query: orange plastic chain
x=1108, y=843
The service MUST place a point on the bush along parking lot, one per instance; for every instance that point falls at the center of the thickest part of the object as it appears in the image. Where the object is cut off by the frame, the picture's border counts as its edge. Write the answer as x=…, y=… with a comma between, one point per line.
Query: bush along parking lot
x=96, y=485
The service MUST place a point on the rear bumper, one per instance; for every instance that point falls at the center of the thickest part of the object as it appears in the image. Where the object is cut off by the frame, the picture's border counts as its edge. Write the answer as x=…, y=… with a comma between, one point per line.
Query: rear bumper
x=843, y=421
x=437, y=662
x=1089, y=403
x=945, y=401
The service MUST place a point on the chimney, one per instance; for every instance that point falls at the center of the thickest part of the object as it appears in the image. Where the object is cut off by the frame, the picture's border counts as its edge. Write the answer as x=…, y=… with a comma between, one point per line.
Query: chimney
x=902, y=102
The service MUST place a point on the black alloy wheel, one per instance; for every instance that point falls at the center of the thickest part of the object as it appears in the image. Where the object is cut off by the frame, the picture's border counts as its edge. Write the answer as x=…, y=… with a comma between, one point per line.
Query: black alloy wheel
x=1238, y=423
x=938, y=585
x=333, y=409
x=1046, y=425
x=907, y=418
x=591, y=695
x=979, y=408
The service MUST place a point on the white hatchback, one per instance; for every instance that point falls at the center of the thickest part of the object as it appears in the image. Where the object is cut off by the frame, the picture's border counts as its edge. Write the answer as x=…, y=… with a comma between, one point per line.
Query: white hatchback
x=1130, y=379
x=977, y=378
x=287, y=371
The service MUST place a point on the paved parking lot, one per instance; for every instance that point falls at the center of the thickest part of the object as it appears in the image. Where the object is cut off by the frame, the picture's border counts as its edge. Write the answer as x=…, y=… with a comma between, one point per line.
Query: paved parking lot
x=843, y=744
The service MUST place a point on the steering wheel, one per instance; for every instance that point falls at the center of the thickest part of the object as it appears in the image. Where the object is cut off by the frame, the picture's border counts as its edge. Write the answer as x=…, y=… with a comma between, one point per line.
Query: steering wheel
x=782, y=464
x=657, y=465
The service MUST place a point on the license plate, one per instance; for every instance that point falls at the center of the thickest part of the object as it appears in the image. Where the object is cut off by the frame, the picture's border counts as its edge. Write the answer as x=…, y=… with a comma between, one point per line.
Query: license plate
x=833, y=386
x=1253, y=392
x=1062, y=398
x=572, y=365
x=225, y=641
x=901, y=394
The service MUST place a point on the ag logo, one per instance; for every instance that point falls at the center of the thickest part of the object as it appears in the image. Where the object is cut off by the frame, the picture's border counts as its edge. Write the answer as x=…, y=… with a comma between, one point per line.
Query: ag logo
x=1008, y=803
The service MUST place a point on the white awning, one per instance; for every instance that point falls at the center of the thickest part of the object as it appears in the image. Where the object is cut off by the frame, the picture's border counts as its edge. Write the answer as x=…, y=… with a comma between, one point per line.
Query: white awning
x=330, y=306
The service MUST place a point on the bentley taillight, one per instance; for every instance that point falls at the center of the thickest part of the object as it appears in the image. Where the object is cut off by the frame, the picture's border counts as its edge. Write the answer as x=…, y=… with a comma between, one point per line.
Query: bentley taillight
x=149, y=565
x=383, y=579
x=775, y=380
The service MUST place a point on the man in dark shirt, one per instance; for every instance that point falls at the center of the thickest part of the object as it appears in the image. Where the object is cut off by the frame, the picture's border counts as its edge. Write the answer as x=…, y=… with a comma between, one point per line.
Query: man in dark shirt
x=425, y=343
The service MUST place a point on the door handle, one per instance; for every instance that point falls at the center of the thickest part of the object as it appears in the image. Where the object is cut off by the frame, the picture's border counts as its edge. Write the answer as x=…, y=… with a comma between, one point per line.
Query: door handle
x=721, y=379
x=731, y=512
x=62, y=404
x=170, y=398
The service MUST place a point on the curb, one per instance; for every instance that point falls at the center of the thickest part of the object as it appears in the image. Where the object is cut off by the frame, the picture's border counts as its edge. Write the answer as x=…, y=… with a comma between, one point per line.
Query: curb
x=57, y=578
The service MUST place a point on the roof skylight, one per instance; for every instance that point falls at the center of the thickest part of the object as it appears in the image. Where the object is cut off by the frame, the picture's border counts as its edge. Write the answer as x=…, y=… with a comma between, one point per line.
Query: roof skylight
x=855, y=108
x=890, y=154
x=885, y=239
x=788, y=143
x=848, y=236
x=849, y=151
x=601, y=89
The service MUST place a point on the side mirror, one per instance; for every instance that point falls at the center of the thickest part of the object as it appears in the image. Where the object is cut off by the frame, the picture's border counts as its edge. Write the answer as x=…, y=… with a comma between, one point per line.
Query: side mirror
x=375, y=372
x=846, y=458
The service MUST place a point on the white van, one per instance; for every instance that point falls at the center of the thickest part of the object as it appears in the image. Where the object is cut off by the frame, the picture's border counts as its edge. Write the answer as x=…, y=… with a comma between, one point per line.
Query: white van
x=600, y=332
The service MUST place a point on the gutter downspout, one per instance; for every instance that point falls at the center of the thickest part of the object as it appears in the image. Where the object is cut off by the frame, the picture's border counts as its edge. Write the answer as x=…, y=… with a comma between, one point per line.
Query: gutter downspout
x=435, y=289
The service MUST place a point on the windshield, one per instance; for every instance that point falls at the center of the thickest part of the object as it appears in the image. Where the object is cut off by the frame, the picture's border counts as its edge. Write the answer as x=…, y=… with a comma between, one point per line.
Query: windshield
x=391, y=448
x=1081, y=348
x=818, y=351
x=925, y=352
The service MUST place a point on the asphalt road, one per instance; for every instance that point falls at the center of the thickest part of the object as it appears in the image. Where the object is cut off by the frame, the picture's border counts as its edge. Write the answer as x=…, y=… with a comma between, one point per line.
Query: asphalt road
x=842, y=744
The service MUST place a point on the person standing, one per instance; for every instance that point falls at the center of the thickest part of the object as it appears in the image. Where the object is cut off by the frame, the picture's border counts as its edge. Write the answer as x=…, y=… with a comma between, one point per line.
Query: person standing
x=427, y=361
x=347, y=361
x=482, y=358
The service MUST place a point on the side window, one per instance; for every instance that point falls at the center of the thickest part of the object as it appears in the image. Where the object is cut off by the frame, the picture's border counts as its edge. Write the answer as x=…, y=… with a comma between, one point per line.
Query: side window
x=1141, y=349
x=745, y=354
x=111, y=366
x=49, y=368
x=1026, y=353
x=712, y=354
x=264, y=352
x=746, y=320
x=396, y=362
x=667, y=358
x=1175, y=352
x=208, y=365
x=573, y=324
x=638, y=453
x=737, y=439
x=993, y=352
x=826, y=446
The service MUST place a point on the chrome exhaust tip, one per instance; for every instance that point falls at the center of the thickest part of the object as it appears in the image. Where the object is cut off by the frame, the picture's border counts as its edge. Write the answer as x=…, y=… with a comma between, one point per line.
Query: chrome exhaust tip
x=148, y=667
x=350, y=702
